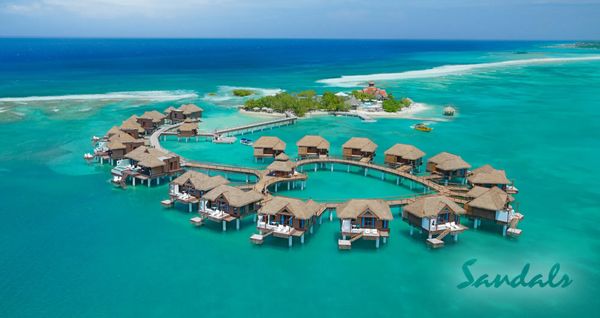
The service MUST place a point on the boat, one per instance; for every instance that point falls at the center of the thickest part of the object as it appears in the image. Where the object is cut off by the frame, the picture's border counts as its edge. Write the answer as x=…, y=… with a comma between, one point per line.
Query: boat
x=423, y=127
x=88, y=156
x=224, y=140
x=246, y=141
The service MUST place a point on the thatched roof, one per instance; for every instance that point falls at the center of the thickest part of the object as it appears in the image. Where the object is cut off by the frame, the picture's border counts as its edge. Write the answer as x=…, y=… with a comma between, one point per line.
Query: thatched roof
x=407, y=152
x=269, y=142
x=170, y=109
x=188, y=126
x=113, y=131
x=188, y=109
x=493, y=199
x=234, y=196
x=313, y=141
x=299, y=209
x=153, y=115
x=282, y=166
x=432, y=206
x=447, y=161
x=132, y=124
x=364, y=144
x=282, y=157
x=488, y=175
x=476, y=191
x=118, y=140
x=356, y=207
x=200, y=181
x=149, y=157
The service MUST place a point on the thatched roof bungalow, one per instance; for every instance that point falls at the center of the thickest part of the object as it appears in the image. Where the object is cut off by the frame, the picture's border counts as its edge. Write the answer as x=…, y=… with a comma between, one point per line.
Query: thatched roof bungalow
x=436, y=215
x=448, y=165
x=488, y=177
x=154, y=163
x=268, y=147
x=493, y=204
x=191, y=111
x=151, y=120
x=132, y=127
x=312, y=146
x=357, y=148
x=401, y=154
x=187, y=129
x=366, y=219
x=226, y=203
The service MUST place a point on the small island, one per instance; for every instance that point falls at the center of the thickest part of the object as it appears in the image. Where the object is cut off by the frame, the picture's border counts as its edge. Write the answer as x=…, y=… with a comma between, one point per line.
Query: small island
x=370, y=99
x=240, y=92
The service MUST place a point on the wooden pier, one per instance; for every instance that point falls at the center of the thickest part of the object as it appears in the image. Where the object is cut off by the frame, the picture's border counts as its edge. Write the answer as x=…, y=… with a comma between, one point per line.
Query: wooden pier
x=350, y=114
x=250, y=128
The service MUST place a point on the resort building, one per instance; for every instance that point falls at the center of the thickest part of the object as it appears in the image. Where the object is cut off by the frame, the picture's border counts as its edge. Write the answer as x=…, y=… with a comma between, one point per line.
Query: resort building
x=436, y=215
x=151, y=120
x=268, y=147
x=226, y=203
x=488, y=177
x=448, y=166
x=378, y=93
x=282, y=167
x=146, y=163
x=404, y=155
x=493, y=205
x=121, y=143
x=188, y=129
x=364, y=219
x=286, y=218
x=173, y=115
x=189, y=188
x=132, y=127
x=311, y=146
x=191, y=111
x=361, y=149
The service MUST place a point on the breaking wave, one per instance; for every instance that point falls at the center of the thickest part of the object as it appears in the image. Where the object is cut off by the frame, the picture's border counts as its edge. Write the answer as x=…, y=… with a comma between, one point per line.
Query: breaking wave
x=159, y=96
x=444, y=70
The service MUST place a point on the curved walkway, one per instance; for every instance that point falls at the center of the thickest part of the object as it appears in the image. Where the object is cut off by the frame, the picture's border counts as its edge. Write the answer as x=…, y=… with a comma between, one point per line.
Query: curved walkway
x=264, y=180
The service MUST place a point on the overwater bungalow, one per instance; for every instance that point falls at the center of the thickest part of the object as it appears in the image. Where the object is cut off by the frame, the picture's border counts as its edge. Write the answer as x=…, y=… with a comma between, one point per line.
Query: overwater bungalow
x=189, y=188
x=146, y=164
x=268, y=147
x=191, y=111
x=488, y=177
x=111, y=132
x=225, y=204
x=286, y=218
x=151, y=120
x=493, y=204
x=400, y=155
x=363, y=219
x=173, y=115
x=132, y=127
x=121, y=143
x=361, y=149
x=311, y=146
x=188, y=129
x=448, y=166
x=436, y=215
x=282, y=167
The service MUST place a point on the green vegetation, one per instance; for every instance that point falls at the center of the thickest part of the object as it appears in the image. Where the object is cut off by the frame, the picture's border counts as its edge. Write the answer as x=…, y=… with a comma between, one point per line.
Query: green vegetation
x=299, y=104
x=242, y=92
x=391, y=105
x=360, y=95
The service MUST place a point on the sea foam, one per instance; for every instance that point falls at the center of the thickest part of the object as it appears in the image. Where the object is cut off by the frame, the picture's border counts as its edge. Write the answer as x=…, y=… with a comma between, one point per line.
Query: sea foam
x=444, y=70
x=158, y=96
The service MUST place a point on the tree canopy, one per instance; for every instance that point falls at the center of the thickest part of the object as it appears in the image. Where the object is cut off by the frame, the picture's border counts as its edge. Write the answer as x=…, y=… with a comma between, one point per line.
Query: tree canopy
x=299, y=103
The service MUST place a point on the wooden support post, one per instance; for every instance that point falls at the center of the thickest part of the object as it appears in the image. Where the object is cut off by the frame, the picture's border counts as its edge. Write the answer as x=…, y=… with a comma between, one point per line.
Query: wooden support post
x=411, y=230
x=311, y=229
x=190, y=207
x=384, y=240
x=348, y=169
x=382, y=176
x=224, y=225
x=290, y=241
x=504, y=230
x=366, y=171
x=330, y=215
x=315, y=167
x=475, y=223
x=397, y=180
x=133, y=181
x=237, y=224
x=455, y=237
x=288, y=184
x=332, y=167
x=149, y=182
x=302, y=239
x=377, y=243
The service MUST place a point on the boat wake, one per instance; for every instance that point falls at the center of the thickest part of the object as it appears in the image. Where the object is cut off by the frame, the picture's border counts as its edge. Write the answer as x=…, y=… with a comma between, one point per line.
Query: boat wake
x=445, y=70
x=157, y=96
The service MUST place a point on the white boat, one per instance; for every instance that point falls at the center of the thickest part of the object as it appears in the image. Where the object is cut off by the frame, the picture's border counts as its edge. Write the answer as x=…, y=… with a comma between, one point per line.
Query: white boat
x=88, y=156
x=246, y=141
x=224, y=140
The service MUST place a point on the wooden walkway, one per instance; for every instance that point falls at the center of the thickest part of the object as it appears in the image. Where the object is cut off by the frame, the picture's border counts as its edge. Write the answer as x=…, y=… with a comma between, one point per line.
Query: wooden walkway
x=256, y=126
x=361, y=116
x=224, y=168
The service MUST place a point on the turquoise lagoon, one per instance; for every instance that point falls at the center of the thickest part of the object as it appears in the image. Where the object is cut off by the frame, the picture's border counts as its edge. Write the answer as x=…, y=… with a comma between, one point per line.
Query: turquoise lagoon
x=73, y=245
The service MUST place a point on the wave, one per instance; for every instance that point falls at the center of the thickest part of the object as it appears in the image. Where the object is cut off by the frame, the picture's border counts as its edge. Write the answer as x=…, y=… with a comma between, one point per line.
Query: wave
x=159, y=96
x=445, y=70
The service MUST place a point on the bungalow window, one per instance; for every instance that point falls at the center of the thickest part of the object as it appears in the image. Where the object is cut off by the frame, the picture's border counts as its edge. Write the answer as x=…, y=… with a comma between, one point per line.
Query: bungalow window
x=368, y=222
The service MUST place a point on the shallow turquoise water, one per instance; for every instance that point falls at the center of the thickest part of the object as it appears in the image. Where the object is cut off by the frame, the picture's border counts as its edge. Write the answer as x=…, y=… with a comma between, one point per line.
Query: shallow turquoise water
x=73, y=245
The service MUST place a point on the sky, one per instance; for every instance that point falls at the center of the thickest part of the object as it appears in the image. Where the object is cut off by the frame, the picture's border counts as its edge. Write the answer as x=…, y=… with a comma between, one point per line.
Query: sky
x=366, y=19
